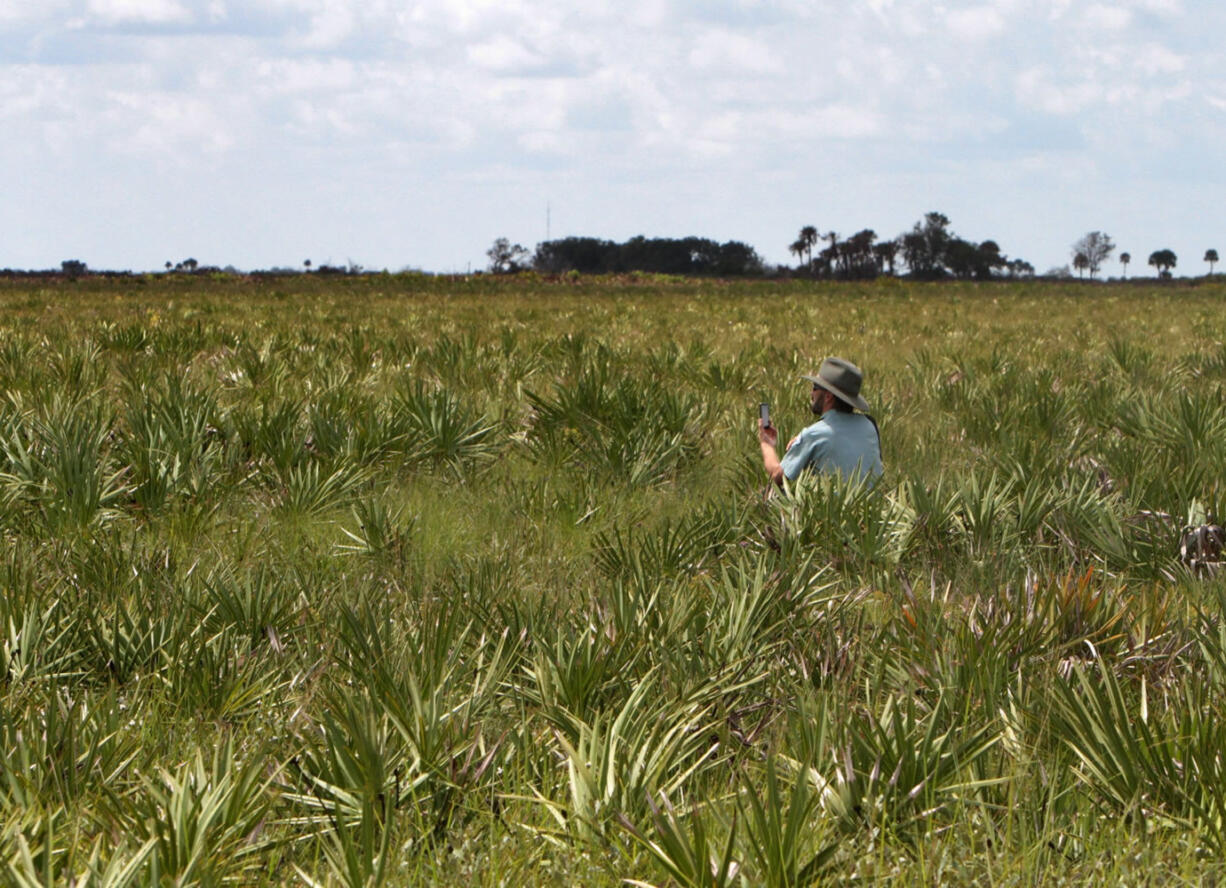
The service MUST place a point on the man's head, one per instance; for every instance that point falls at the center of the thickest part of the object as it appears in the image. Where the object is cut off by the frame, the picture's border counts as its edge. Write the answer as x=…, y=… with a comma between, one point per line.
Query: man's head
x=836, y=386
x=821, y=400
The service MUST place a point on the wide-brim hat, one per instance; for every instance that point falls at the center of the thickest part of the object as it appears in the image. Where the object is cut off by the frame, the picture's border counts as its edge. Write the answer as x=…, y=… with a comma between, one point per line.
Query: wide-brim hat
x=842, y=379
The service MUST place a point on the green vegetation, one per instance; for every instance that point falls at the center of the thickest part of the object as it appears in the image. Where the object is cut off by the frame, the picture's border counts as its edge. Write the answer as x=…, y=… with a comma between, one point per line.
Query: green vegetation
x=363, y=580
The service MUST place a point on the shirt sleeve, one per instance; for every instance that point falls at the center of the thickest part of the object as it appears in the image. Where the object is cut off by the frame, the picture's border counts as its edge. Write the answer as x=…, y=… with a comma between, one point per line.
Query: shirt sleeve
x=803, y=453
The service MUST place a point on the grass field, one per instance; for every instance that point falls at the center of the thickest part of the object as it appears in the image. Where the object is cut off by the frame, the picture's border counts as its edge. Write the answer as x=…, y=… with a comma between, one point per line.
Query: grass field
x=398, y=580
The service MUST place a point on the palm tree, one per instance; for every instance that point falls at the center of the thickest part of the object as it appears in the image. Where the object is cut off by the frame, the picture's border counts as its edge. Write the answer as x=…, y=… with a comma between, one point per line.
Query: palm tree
x=1211, y=258
x=1125, y=258
x=886, y=252
x=1163, y=260
x=808, y=237
x=1081, y=262
x=798, y=247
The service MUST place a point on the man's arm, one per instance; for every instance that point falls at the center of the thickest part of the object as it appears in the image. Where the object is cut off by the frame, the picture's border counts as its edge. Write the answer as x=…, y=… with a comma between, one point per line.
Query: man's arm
x=769, y=438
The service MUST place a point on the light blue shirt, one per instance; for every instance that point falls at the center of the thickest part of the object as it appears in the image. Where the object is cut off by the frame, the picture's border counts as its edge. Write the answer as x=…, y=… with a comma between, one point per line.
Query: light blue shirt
x=839, y=443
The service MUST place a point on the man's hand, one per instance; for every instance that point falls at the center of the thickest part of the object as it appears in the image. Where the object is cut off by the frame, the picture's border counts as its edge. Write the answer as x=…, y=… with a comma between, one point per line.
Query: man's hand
x=769, y=438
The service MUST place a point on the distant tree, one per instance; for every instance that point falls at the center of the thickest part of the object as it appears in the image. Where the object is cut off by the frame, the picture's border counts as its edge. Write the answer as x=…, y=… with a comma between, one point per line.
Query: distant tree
x=588, y=255
x=168, y=265
x=808, y=237
x=689, y=255
x=1081, y=262
x=962, y=258
x=1096, y=247
x=798, y=247
x=738, y=259
x=505, y=257
x=886, y=254
x=968, y=260
x=854, y=257
x=1163, y=260
x=1125, y=258
x=914, y=254
x=1019, y=268
x=824, y=262
x=666, y=255
x=73, y=267
x=991, y=259
x=924, y=248
x=190, y=264
x=306, y=263
x=1211, y=258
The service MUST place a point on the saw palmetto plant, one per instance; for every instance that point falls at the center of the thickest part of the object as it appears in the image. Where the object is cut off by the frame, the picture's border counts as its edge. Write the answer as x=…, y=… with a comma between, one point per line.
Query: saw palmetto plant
x=394, y=579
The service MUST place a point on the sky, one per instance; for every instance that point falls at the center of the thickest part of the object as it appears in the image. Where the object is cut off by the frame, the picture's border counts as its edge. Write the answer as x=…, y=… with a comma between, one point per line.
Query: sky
x=407, y=134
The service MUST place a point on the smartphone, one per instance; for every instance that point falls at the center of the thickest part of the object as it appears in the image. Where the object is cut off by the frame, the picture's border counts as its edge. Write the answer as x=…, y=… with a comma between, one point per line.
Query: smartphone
x=764, y=414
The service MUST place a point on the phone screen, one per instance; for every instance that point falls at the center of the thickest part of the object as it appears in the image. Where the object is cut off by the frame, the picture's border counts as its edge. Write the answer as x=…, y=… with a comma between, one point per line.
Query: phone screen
x=764, y=413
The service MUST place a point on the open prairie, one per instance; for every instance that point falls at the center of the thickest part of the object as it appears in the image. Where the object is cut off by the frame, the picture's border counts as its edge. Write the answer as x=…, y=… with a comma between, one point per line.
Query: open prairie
x=397, y=579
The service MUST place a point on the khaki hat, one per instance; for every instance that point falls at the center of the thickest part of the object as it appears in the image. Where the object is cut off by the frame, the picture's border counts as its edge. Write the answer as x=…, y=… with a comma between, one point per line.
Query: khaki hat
x=842, y=379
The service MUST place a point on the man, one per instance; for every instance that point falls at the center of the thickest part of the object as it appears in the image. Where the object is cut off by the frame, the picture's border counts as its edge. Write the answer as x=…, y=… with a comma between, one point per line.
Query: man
x=841, y=442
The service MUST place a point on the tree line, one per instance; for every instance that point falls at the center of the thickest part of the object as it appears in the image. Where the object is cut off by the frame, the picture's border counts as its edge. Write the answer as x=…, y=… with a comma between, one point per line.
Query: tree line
x=929, y=251
x=660, y=255
x=1094, y=248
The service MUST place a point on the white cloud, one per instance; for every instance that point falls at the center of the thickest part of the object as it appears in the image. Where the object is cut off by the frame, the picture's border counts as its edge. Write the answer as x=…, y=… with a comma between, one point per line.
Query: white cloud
x=330, y=25
x=167, y=126
x=506, y=55
x=726, y=51
x=1059, y=8
x=29, y=10
x=1153, y=59
x=318, y=76
x=33, y=92
x=880, y=8
x=839, y=121
x=1166, y=8
x=1037, y=90
x=647, y=14
x=155, y=12
x=474, y=16
x=1101, y=17
x=656, y=92
x=546, y=142
x=976, y=23
x=319, y=120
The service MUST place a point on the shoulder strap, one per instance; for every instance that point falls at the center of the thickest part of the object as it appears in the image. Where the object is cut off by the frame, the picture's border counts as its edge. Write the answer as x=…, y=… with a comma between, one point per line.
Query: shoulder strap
x=877, y=429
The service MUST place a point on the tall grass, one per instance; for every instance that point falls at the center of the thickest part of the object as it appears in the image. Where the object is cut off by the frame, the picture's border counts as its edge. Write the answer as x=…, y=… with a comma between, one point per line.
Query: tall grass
x=395, y=580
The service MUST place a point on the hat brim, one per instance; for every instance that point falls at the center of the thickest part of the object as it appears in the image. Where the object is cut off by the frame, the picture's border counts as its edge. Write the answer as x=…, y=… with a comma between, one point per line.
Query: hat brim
x=854, y=400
